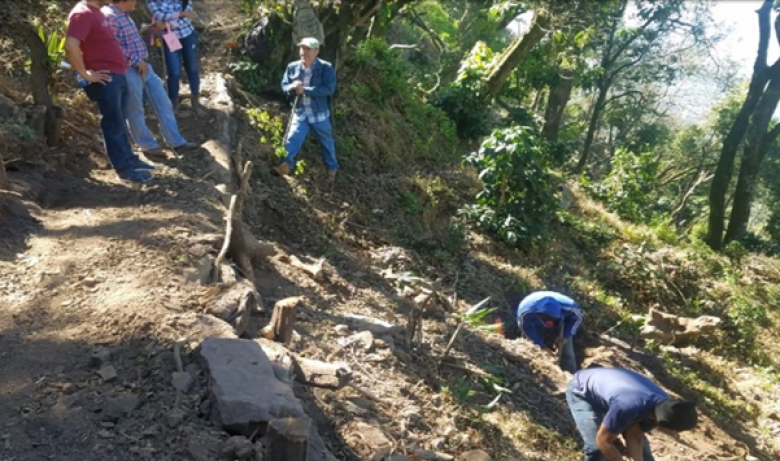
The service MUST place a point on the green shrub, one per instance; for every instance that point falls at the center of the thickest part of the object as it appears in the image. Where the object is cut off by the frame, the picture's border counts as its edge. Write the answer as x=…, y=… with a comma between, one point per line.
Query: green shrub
x=627, y=189
x=517, y=199
x=465, y=100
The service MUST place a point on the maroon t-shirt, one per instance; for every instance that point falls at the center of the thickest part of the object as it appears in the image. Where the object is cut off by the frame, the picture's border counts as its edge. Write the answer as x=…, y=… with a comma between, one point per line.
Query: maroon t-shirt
x=99, y=46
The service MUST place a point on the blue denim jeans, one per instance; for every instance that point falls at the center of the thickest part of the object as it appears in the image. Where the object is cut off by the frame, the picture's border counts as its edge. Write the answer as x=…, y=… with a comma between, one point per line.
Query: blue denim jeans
x=173, y=62
x=588, y=421
x=110, y=99
x=299, y=129
x=163, y=109
x=568, y=359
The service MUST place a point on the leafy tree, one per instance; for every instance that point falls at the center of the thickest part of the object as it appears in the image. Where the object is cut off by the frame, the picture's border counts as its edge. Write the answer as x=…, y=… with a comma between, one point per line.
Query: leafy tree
x=750, y=131
x=625, y=47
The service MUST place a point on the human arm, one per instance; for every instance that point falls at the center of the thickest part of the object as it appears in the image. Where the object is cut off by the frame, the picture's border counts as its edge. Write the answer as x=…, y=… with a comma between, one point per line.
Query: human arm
x=328, y=86
x=605, y=439
x=572, y=319
x=634, y=437
x=289, y=84
x=529, y=325
x=76, y=59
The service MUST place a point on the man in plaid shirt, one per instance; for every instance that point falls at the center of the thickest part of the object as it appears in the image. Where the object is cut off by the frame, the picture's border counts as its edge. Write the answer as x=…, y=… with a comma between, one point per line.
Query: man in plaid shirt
x=140, y=75
x=312, y=81
x=178, y=15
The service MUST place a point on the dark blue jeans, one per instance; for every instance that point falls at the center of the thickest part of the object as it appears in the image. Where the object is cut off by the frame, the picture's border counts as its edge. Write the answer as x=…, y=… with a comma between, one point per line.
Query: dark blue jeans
x=588, y=421
x=568, y=359
x=111, y=98
x=173, y=63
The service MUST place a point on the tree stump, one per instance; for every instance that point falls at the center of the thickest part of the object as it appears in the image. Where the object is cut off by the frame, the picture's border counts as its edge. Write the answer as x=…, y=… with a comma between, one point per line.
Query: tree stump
x=283, y=319
x=288, y=439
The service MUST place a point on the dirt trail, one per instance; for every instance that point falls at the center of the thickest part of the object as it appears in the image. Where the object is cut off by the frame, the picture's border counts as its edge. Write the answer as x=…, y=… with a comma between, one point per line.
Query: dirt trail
x=100, y=264
x=99, y=267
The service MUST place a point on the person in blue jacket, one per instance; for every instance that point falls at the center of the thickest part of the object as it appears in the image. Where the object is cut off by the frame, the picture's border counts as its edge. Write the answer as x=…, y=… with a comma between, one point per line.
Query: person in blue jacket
x=551, y=320
x=312, y=81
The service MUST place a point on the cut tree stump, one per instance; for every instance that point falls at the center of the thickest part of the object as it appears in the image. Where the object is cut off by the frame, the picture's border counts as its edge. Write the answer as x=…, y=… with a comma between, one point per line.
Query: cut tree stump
x=288, y=439
x=283, y=318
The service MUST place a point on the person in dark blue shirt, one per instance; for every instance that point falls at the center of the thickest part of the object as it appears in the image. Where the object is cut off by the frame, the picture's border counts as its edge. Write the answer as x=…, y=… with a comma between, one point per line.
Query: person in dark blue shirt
x=608, y=402
x=551, y=320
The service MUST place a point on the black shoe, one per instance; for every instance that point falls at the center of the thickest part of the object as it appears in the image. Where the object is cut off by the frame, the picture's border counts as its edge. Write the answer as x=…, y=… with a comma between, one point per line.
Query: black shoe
x=188, y=146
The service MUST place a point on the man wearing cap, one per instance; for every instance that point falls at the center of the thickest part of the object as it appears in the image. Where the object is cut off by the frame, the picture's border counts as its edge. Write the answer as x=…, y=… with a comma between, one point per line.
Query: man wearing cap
x=551, y=320
x=312, y=81
x=608, y=402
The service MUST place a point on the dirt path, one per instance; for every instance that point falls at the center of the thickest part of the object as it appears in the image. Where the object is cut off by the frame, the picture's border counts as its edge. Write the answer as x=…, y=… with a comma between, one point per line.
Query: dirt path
x=98, y=265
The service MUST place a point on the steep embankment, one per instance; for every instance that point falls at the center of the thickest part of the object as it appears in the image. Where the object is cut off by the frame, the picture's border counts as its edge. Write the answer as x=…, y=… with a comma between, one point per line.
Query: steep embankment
x=99, y=275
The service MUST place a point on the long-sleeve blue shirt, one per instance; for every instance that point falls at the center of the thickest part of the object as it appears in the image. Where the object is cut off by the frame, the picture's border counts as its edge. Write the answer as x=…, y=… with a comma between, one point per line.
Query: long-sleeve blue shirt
x=535, y=307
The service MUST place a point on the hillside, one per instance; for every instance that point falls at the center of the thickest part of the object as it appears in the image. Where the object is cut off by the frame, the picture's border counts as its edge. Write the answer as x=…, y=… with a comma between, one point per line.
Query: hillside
x=93, y=273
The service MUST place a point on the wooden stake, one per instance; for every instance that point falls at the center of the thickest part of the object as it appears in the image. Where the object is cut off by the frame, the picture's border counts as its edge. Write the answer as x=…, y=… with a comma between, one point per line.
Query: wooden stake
x=283, y=318
x=288, y=439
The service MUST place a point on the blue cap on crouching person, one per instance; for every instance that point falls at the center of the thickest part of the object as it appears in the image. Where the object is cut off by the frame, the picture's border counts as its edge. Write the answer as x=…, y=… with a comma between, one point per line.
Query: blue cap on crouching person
x=310, y=42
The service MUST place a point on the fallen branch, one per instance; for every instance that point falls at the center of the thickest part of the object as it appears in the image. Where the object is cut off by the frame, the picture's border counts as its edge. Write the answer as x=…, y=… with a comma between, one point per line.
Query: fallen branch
x=366, y=393
x=322, y=374
x=454, y=366
x=226, y=243
x=314, y=270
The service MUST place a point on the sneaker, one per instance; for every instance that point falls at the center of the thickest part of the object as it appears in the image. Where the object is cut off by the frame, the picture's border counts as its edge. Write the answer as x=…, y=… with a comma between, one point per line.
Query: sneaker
x=282, y=169
x=135, y=176
x=187, y=146
x=143, y=166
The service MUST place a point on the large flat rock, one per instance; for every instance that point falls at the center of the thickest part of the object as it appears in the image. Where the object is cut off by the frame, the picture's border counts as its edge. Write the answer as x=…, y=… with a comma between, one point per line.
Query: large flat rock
x=245, y=391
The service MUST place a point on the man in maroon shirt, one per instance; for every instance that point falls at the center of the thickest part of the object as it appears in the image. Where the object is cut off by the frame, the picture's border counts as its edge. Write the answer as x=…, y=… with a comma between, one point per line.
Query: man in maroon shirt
x=96, y=55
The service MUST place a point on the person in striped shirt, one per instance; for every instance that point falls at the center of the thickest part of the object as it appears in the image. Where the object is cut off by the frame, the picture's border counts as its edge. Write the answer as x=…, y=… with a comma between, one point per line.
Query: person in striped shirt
x=140, y=74
x=178, y=14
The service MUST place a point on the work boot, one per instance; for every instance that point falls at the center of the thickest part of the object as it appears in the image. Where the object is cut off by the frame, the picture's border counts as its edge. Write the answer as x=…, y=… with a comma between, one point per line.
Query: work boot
x=330, y=177
x=199, y=108
x=154, y=152
x=282, y=169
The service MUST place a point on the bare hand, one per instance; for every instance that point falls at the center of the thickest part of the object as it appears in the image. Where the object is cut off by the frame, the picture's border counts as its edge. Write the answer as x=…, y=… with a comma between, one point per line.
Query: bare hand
x=143, y=68
x=187, y=14
x=101, y=76
x=298, y=87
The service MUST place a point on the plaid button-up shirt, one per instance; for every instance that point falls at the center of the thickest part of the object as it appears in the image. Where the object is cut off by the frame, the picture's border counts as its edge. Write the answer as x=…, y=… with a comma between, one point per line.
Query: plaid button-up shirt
x=305, y=111
x=168, y=11
x=127, y=33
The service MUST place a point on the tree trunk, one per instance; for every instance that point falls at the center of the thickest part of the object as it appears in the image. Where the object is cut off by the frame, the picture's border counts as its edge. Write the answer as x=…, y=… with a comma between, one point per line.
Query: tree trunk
x=757, y=143
x=557, y=100
x=515, y=53
x=723, y=172
x=595, y=118
x=41, y=73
